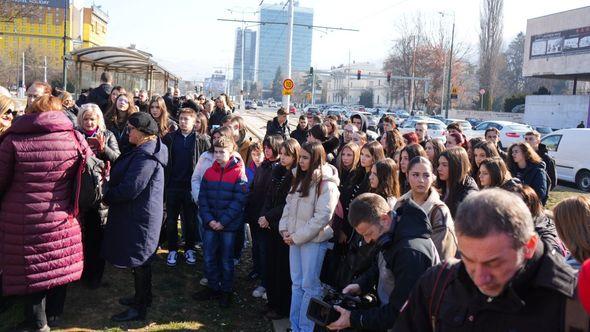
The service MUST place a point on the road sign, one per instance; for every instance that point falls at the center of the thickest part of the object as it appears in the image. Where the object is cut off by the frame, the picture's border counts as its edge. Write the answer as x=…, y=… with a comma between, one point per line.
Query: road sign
x=454, y=92
x=288, y=84
x=287, y=92
x=482, y=91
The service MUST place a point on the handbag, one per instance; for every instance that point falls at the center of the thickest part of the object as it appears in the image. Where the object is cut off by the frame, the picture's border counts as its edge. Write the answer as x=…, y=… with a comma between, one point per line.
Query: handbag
x=88, y=182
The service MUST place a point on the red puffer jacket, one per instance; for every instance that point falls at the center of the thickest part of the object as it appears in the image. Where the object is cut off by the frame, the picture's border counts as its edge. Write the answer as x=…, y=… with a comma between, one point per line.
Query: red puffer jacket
x=40, y=239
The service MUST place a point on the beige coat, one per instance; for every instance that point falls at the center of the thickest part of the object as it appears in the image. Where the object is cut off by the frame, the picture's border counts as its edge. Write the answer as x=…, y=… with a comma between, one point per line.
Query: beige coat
x=443, y=228
x=307, y=219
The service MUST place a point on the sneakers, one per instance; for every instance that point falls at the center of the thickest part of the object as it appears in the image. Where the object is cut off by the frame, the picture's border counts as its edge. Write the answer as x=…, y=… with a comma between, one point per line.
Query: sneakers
x=225, y=300
x=203, y=282
x=259, y=292
x=172, y=258
x=190, y=257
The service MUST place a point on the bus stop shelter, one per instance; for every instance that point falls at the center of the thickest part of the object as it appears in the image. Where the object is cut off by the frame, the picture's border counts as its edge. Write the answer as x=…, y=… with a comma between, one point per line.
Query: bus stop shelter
x=132, y=68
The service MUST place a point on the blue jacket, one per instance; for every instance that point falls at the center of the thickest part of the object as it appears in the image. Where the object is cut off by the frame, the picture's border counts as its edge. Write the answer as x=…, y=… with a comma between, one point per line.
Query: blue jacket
x=535, y=176
x=223, y=195
x=135, y=196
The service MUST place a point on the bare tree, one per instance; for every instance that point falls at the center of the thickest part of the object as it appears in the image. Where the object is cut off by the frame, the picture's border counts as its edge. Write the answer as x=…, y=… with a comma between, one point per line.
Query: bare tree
x=11, y=10
x=490, y=44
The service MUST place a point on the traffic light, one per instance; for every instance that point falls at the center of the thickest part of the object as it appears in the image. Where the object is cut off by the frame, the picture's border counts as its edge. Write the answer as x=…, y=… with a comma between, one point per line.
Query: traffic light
x=388, y=77
x=358, y=74
x=310, y=70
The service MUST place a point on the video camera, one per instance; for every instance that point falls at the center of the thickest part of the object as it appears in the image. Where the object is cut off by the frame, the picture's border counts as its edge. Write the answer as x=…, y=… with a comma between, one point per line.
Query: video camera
x=322, y=312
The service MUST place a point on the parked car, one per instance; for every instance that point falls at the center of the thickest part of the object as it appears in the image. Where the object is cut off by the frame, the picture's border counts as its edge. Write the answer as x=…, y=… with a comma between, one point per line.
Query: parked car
x=292, y=110
x=436, y=128
x=510, y=132
x=543, y=130
x=260, y=103
x=474, y=122
x=272, y=104
x=571, y=165
x=465, y=127
x=250, y=105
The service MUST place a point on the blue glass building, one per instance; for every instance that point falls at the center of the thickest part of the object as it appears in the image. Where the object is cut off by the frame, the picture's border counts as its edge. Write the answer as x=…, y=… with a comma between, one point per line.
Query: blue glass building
x=272, y=43
x=249, y=55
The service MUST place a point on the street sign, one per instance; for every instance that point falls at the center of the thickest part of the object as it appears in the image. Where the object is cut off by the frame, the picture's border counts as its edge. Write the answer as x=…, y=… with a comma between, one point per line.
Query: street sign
x=287, y=92
x=454, y=92
x=288, y=84
x=482, y=91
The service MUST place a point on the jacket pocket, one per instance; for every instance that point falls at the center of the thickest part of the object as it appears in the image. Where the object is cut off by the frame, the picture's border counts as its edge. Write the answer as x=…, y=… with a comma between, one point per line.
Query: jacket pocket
x=451, y=318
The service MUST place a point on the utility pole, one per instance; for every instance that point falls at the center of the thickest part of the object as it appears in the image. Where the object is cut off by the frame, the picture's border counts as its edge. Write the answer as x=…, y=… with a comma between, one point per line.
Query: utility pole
x=23, y=73
x=312, y=88
x=450, y=70
x=444, y=72
x=65, y=61
x=287, y=98
x=413, y=75
x=45, y=69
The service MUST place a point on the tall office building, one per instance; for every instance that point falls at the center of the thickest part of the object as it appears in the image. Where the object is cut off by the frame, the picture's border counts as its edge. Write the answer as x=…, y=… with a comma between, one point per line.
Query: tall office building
x=272, y=43
x=249, y=56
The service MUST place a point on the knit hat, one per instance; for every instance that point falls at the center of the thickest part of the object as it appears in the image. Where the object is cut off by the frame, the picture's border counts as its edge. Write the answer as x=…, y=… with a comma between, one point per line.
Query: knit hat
x=584, y=285
x=144, y=123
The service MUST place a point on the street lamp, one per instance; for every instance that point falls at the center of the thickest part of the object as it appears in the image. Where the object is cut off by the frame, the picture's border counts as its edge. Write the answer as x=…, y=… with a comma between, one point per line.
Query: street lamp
x=448, y=104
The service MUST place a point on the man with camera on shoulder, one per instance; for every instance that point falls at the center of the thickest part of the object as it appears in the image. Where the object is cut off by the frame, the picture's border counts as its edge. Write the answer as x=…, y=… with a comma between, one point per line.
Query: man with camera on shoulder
x=405, y=252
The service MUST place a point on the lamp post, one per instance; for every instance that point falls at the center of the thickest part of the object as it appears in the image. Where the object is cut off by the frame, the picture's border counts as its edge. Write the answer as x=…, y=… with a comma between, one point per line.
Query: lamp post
x=450, y=69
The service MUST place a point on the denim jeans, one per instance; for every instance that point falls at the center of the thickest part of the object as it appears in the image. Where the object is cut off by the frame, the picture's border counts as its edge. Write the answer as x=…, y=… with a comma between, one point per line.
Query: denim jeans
x=219, y=259
x=177, y=202
x=259, y=252
x=305, y=262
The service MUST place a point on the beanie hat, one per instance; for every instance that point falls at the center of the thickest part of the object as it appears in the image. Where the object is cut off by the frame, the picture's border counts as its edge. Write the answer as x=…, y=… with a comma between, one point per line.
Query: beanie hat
x=144, y=122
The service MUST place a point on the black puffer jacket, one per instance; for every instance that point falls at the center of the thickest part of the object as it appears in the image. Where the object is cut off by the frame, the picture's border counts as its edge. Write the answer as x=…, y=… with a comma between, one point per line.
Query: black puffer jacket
x=100, y=96
x=276, y=195
x=463, y=189
x=403, y=256
x=257, y=193
x=273, y=127
x=217, y=116
x=300, y=134
x=534, y=300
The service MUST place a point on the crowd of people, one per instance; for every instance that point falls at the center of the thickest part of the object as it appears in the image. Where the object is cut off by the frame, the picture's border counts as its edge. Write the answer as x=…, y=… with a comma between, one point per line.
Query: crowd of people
x=448, y=235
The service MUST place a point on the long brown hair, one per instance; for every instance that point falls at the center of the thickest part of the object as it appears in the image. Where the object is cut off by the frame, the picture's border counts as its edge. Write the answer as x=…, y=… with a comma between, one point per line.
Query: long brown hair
x=529, y=155
x=497, y=170
x=572, y=220
x=388, y=185
x=292, y=149
x=162, y=120
x=459, y=168
x=394, y=142
x=438, y=146
x=303, y=179
x=413, y=150
x=113, y=115
x=204, y=123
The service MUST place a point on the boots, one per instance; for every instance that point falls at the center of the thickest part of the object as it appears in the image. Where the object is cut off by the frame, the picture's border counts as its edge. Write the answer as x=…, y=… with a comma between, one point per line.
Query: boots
x=143, y=295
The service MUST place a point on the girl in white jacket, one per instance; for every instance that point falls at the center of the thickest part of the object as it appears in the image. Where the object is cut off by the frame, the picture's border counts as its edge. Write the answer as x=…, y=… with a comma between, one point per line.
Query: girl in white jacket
x=305, y=228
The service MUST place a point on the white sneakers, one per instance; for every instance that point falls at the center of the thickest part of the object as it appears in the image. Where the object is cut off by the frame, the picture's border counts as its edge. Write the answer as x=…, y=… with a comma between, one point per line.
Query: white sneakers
x=259, y=292
x=190, y=256
x=172, y=258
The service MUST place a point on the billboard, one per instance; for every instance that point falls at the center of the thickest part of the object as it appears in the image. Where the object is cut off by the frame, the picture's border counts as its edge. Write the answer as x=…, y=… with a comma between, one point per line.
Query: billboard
x=48, y=3
x=561, y=43
x=558, y=45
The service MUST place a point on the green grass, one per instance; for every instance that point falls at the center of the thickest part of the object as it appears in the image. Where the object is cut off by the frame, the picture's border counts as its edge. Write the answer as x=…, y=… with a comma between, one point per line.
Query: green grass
x=172, y=308
x=561, y=192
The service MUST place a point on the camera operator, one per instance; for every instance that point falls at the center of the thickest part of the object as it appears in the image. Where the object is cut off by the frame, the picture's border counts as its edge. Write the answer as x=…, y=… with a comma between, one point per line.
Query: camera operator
x=405, y=252
x=507, y=279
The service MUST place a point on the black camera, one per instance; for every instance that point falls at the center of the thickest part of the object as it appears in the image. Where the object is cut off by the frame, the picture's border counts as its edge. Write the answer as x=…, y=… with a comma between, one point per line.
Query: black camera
x=322, y=312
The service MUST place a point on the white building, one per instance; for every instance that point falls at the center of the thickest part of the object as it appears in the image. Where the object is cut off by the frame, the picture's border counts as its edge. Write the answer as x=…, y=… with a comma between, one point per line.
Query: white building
x=344, y=87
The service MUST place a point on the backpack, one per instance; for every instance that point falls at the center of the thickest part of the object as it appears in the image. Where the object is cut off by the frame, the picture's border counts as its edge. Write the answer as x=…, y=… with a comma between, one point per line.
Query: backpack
x=88, y=182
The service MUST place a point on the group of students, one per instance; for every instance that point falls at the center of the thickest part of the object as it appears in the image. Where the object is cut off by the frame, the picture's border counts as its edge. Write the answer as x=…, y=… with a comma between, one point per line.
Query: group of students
x=323, y=208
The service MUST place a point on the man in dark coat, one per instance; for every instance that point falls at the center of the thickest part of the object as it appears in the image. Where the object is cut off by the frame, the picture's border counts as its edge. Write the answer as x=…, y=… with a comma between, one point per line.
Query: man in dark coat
x=100, y=95
x=135, y=196
x=405, y=252
x=507, y=279
x=300, y=133
x=534, y=139
x=171, y=106
x=279, y=125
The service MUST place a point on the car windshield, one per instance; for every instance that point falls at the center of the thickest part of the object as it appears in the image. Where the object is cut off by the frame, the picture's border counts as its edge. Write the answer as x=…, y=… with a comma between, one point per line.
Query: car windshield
x=519, y=127
x=435, y=126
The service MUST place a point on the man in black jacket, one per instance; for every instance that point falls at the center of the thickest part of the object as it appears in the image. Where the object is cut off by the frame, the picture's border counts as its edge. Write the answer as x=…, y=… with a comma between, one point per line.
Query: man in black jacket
x=493, y=135
x=100, y=95
x=534, y=140
x=300, y=133
x=279, y=125
x=405, y=252
x=507, y=280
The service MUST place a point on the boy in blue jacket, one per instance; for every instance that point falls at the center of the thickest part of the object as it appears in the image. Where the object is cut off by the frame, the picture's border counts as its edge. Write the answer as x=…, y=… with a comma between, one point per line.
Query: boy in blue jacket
x=221, y=205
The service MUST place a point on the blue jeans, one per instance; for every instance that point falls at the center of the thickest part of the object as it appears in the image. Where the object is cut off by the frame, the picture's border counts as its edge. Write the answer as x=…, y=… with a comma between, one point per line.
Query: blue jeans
x=305, y=262
x=219, y=259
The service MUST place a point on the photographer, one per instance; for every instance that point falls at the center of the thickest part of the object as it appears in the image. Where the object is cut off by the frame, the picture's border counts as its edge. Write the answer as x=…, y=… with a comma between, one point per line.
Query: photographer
x=405, y=252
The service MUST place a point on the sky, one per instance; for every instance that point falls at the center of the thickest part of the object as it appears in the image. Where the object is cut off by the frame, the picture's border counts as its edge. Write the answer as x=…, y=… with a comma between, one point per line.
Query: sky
x=186, y=37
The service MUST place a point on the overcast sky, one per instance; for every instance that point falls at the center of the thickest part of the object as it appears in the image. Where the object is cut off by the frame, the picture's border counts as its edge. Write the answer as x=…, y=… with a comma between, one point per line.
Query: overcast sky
x=185, y=36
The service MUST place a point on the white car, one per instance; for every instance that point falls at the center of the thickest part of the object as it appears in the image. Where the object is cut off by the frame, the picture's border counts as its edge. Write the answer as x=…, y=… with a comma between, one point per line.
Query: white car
x=510, y=132
x=436, y=128
x=465, y=127
x=566, y=146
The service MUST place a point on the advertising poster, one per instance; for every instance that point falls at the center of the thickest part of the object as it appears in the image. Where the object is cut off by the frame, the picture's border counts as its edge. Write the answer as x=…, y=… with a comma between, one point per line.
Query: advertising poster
x=566, y=42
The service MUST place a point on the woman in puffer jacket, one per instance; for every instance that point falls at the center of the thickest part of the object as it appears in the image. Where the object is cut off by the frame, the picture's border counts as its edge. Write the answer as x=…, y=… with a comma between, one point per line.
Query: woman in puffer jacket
x=305, y=227
x=40, y=238
x=104, y=145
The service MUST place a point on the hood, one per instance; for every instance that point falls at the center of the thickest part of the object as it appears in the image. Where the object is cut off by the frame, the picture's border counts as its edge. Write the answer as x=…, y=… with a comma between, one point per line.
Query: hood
x=329, y=173
x=363, y=121
x=155, y=149
x=45, y=122
x=433, y=198
x=411, y=222
x=106, y=88
x=231, y=164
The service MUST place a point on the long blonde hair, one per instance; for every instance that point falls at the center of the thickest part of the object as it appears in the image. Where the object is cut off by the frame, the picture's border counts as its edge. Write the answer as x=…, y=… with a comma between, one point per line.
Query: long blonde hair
x=572, y=220
x=6, y=105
